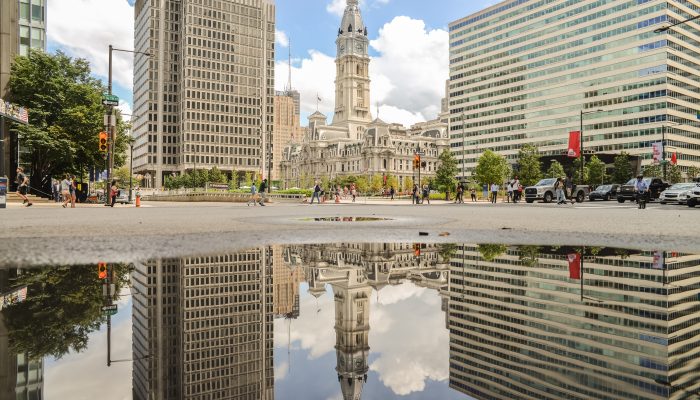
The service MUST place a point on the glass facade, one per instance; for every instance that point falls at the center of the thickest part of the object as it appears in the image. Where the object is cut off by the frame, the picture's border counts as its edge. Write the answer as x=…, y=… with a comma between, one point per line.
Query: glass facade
x=522, y=71
x=32, y=25
x=527, y=322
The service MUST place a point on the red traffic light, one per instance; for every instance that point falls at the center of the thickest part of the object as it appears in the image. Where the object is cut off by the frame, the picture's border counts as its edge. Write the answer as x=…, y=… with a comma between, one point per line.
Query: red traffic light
x=416, y=249
x=102, y=270
x=103, y=142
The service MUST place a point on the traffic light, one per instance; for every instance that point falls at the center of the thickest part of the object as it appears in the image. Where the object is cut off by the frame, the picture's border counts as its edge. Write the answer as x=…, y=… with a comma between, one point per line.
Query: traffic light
x=103, y=142
x=102, y=270
x=416, y=249
x=416, y=161
x=423, y=164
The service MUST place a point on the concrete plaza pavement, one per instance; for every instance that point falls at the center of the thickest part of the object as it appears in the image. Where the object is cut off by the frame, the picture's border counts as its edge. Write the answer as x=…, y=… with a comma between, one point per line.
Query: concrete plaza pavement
x=48, y=234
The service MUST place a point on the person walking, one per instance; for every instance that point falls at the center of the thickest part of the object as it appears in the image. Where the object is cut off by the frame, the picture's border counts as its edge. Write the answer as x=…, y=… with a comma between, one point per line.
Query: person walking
x=460, y=193
x=73, y=191
x=517, y=190
x=113, y=192
x=65, y=191
x=426, y=193
x=559, y=190
x=262, y=189
x=569, y=186
x=23, y=186
x=392, y=192
x=316, y=193
x=494, y=192
x=641, y=189
x=473, y=192
x=353, y=192
x=253, y=195
x=509, y=191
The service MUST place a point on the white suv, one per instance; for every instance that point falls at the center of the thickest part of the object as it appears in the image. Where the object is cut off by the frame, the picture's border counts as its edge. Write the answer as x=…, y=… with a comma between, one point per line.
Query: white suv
x=694, y=196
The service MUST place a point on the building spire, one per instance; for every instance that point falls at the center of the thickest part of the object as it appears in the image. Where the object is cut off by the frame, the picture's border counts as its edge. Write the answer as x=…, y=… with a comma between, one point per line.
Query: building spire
x=289, y=81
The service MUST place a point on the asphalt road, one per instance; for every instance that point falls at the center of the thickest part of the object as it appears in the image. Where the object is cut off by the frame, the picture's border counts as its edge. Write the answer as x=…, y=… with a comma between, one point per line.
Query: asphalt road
x=47, y=234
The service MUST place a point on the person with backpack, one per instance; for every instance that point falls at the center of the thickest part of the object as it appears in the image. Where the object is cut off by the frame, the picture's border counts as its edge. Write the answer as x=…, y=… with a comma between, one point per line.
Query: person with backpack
x=317, y=193
x=414, y=195
x=559, y=190
x=113, y=192
x=253, y=195
x=23, y=186
x=263, y=188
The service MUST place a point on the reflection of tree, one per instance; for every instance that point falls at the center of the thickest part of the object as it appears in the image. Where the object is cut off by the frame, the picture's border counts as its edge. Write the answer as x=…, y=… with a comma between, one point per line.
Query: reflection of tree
x=490, y=251
x=622, y=253
x=63, y=305
x=446, y=251
x=529, y=255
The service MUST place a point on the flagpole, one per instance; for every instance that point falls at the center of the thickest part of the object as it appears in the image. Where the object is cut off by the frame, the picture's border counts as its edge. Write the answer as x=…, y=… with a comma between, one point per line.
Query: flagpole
x=581, y=267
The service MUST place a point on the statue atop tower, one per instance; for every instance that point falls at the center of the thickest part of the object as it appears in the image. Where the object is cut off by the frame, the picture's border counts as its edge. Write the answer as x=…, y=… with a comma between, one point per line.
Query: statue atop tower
x=352, y=101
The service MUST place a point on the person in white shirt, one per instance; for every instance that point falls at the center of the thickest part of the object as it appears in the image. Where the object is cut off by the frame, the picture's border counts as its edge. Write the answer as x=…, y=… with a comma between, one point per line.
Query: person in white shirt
x=494, y=193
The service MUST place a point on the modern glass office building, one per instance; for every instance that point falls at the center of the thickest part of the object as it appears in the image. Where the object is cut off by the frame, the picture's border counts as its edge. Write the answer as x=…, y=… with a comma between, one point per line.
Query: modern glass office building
x=522, y=71
x=527, y=323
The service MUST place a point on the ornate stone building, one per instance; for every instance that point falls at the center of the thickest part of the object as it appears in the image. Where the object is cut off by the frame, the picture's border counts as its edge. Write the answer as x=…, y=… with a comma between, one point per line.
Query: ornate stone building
x=354, y=144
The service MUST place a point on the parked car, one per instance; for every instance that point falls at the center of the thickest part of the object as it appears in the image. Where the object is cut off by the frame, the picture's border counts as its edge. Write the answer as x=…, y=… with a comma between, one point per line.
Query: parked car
x=628, y=192
x=604, y=192
x=694, y=196
x=123, y=197
x=677, y=193
x=544, y=190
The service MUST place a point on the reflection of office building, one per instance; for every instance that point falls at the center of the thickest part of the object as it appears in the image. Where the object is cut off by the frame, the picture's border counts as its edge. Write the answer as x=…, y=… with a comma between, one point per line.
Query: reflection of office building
x=203, y=327
x=21, y=377
x=520, y=329
x=205, y=97
x=285, y=280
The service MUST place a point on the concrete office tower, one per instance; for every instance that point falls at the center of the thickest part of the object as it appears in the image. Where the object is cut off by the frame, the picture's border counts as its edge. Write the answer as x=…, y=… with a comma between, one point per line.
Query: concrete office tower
x=203, y=327
x=521, y=72
x=286, y=279
x=519, y=327
x=204, y=98
x=287, y=127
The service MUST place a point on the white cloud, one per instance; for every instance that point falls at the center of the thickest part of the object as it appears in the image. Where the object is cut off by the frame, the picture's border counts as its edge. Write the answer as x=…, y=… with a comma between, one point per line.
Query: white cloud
x=281, y=38
x=126, y=110
x=281, y=370
x=408, y=76
x=85, y=29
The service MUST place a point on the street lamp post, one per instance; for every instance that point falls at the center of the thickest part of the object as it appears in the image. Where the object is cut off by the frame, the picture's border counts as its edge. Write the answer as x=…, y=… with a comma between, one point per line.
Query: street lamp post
x=583, y=158
x=464, y=148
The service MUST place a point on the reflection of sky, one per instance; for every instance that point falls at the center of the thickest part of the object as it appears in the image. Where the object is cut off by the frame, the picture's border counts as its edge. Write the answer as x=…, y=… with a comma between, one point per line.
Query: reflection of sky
x=408, y=340
x=85, y=375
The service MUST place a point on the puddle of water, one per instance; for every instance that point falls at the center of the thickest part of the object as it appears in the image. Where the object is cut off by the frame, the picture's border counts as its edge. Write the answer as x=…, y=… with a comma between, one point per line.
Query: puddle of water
x=409, y=321
x=345, y=219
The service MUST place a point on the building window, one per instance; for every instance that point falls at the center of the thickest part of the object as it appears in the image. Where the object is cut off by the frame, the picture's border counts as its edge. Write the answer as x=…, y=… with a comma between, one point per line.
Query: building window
x=24, y=10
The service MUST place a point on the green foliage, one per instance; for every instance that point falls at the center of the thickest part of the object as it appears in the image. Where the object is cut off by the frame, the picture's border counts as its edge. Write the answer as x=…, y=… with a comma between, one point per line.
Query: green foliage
x=306, y=181
x=622, y=169
x=361, y=184
x=556, y=170
x=446, y=172
x=575, y=171
x=596, y=171
x=248, y=179
x=408, y=184
x=652, y=171
x=693, y=172
x=65, y=117
x=62, y=307
x=392, y=181
x=446, y=251
x=491, y=251
x=529, y=255
x=530, y=171
x=306, y=192
x=376, y=184
x=216, y=176
x=197, y=179
x=121, y=174
x=491, y=168
x=674, y=174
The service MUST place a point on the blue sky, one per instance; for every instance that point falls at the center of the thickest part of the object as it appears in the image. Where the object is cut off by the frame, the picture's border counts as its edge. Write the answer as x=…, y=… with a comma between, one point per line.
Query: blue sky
x=409, y=63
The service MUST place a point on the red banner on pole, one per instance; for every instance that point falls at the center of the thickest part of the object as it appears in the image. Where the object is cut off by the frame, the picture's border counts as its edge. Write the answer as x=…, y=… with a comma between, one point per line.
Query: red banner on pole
x=674, y=159
x=574, y=265
x=574, y=144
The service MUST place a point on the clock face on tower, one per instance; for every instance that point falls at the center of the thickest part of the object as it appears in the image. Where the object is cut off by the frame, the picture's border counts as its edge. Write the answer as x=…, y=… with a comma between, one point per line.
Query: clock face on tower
x=359, y=47
x=342, y=49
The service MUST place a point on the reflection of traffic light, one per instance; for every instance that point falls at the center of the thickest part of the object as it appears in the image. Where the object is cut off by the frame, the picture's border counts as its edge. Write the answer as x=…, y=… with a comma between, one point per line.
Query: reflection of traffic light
x=103, y=142
x=102, y=270
x=416, y=249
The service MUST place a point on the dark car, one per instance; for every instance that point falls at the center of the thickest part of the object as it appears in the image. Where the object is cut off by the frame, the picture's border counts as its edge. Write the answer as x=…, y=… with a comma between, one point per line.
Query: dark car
x=604, y=192
x=656, y=186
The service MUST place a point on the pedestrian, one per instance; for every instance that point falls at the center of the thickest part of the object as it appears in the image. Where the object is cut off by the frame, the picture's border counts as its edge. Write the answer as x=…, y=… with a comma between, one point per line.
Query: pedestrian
x=23, y=186
x=262, y=189
x=569, y=185
x=353, y=192
x=113, y=192
x=65, y=190
x=509, y=191
x=73, y=191
x=486, y=192
x=253, y=195
x=473, y=192
x=426, y=193
x=392, y=192
x=517, y=190
x=559, y=190
x=54, y=190
x=494, y=192
x=414, y=194
x=460, y=193
x=316, y=193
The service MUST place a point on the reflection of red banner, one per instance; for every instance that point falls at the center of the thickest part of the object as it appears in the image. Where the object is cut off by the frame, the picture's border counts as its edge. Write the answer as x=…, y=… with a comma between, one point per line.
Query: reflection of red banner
x=574, y=144
x=574, y=266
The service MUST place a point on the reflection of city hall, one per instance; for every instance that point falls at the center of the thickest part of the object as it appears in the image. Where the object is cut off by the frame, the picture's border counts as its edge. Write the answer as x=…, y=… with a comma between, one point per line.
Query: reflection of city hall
x=520, y=330
x=202, y=327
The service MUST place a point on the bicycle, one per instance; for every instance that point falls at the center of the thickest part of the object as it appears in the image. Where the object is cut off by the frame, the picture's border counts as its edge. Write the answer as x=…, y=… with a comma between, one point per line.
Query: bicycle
x=642, y=200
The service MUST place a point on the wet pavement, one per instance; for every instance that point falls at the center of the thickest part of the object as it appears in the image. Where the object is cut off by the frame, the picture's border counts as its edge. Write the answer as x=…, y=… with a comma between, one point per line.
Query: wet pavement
x=358, y=321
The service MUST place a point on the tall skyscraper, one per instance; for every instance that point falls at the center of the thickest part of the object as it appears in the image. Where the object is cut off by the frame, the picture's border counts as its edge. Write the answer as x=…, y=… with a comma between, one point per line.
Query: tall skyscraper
x=204, y=98
x=203, y=327
x=534, y=322
x=522, y=71
x=287, y=126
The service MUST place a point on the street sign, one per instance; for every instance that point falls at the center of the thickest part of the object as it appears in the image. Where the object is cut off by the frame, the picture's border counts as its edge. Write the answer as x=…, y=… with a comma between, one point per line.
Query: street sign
x=109, y=310
x=419, y=153
x=110, y=100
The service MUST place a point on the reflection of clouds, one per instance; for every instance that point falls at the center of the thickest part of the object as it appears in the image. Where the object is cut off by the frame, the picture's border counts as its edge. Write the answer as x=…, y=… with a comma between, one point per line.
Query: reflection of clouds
x=281, y=370
x=412, y=346
x=313, y=330
x=89, y=368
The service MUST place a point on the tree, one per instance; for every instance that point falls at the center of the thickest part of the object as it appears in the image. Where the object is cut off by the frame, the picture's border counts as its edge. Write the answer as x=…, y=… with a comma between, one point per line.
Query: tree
x=530, y=171
x=693, y=172
x=248, y=179
x=408, y=184
x=122, y=176
x=529, y=255
x=361, y=184
x=596, y=171
x=392, y=181
x=216, y=176
x=652, y=171
x=556, y=170
x=376, y=183
x=674, y=174
x=65, y=117
x=446, y=172
x=490, y=251
x=622, y=172
x=491, y=168
x=575, y=171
